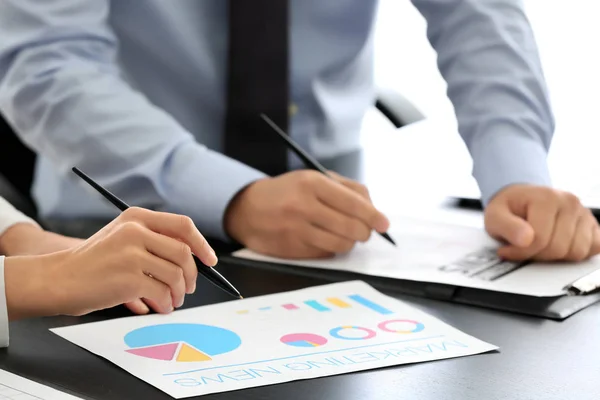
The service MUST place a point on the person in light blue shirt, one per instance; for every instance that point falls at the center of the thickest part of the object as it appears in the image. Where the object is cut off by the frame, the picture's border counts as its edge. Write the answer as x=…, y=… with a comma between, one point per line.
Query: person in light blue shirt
x=133, y=93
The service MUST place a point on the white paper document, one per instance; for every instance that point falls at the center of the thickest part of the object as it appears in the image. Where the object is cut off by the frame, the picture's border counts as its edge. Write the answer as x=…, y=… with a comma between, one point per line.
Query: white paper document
x=310, y=333
x=452, y=254
x=14, y=387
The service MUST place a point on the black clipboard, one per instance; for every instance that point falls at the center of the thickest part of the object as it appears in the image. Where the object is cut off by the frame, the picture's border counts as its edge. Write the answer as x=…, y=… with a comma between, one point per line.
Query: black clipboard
x=555, y=308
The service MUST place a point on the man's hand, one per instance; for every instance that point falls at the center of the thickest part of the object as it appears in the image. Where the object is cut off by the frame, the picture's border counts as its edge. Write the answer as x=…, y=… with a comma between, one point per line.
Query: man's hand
x=303, y=214
x=543, y=224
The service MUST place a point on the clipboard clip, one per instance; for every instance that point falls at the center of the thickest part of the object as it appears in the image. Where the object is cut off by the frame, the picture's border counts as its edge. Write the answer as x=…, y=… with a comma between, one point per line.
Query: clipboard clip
x=585, y=285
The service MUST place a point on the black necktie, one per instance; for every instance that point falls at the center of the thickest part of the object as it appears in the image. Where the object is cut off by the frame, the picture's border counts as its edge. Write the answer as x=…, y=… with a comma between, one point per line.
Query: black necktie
x=257, y=83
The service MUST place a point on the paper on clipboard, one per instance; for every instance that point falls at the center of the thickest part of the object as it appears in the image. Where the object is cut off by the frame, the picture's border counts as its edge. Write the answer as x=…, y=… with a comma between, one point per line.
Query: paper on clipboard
x=452, y=254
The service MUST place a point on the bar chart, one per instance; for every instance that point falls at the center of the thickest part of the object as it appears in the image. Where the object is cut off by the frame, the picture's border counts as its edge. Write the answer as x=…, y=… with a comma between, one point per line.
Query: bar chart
x=328, y=304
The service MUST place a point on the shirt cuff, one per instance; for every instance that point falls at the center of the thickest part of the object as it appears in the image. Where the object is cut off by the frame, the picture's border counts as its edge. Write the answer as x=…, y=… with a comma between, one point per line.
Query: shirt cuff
x=200, y=183
x=4, y=334
x=504, y=158
x=10, y=216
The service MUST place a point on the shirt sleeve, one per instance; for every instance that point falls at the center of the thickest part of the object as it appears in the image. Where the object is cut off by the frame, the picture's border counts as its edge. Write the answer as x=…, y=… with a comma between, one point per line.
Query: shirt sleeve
x=4, y=336
x=488, y=56
x=10, y=216
x=62, y=91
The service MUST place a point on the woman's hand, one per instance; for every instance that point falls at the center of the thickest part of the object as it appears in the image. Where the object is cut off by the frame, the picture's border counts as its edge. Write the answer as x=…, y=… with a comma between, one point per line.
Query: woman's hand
x=141, y=254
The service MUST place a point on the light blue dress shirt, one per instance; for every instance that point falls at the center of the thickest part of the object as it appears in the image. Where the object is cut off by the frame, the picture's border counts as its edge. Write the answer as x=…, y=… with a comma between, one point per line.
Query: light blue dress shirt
x=133, y=93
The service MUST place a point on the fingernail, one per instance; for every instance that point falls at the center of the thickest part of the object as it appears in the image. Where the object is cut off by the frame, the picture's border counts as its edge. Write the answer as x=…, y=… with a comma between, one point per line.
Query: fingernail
x=145, y=309
x=214, y=258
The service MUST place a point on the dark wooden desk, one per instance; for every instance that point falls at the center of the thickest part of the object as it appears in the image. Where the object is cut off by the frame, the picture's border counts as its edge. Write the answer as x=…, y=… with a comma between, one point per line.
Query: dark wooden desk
x=539, y=359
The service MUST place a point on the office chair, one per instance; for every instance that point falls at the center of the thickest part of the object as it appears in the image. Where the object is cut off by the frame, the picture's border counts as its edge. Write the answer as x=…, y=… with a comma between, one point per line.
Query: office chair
x=17, y=161
x=17, y=164
x=397, y=108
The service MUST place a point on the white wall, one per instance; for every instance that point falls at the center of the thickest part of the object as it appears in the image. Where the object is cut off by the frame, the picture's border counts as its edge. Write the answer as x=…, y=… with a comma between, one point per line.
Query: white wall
x=568, y=35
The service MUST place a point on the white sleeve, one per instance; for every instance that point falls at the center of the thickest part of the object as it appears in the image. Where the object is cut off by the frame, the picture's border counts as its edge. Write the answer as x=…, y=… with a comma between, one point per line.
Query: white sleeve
x=3, y=308
x=10, y=216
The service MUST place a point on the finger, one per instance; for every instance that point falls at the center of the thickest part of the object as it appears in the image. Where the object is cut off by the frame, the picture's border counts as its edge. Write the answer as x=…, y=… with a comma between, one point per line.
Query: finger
x=350, y=203
x=325, y=241
x=507, y=227
x=175, y=226
x=157, y=294
x=581, y=245
x=563, y=236
x=339, y=224
x=137, y=307
x=168, y=274
x=153, y=305
x=176, y=252
x=352, y=185
x=542, y=219
x=596, y=240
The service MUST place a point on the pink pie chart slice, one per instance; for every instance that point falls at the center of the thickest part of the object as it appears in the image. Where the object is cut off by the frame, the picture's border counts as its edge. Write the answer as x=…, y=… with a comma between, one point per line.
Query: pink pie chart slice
x=164, y=352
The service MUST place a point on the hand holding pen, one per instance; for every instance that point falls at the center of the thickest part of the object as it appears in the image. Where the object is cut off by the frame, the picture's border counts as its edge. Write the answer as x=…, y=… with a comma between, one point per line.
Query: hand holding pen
x=311, y=163
x=310, y=213
x=174, y=239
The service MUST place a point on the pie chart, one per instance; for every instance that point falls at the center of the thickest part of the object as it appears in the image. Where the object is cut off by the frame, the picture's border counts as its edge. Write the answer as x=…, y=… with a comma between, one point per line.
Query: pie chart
x=181, y=342
x=303, y=340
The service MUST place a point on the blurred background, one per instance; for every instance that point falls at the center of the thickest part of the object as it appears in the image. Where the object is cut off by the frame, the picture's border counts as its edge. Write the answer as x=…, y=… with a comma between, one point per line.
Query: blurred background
x=568, y=36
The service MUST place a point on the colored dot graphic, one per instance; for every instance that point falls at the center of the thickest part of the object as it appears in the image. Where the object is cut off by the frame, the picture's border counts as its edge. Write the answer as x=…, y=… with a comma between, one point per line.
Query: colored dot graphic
x=401, y=326
x=303, y=340
x=350, y=333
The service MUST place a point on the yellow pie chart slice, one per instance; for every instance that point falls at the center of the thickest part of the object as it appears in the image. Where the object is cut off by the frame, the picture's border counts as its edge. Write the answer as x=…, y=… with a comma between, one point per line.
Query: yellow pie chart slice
x=189, y=354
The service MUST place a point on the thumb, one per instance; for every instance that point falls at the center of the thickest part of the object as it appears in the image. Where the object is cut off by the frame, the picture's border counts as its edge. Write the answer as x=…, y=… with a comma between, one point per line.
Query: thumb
x=503, y=225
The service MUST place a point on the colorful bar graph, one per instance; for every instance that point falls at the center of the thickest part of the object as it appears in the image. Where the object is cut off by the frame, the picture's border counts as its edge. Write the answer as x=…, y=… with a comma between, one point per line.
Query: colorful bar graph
x=316, y=305
x=330, y=304
x=338, y=302
x=369, y=304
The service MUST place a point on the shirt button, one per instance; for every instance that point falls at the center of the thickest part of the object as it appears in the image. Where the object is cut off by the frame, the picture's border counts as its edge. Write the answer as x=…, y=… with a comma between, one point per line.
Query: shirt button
x=292, y=109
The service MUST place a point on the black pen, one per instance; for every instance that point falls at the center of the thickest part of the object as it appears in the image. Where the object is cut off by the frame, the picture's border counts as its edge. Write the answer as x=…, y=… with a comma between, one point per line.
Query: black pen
x=306, y=158
x=209, y=273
